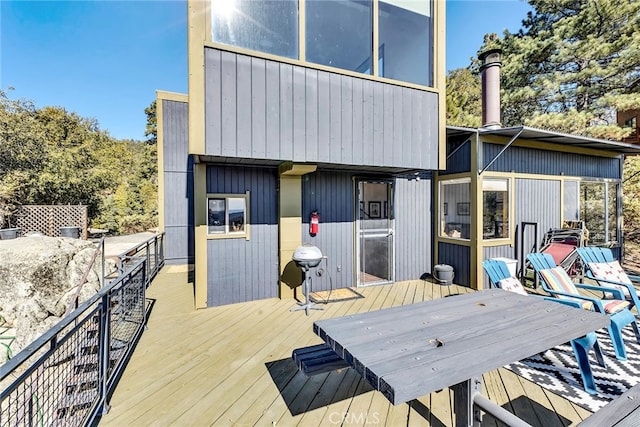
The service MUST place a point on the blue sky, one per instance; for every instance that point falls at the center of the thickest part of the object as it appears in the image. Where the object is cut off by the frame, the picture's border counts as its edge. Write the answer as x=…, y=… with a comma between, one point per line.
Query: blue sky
x=105, y=59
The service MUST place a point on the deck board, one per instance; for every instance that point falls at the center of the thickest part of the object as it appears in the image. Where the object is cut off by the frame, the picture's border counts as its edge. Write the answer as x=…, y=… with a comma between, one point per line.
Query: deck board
x=232, y=365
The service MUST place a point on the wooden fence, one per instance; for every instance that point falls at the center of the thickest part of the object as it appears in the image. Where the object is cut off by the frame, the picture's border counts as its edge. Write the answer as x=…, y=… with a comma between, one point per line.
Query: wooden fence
x=48, y=219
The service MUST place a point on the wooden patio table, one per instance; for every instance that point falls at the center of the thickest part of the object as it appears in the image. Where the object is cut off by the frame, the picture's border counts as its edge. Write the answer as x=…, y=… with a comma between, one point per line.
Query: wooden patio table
x=410, y=351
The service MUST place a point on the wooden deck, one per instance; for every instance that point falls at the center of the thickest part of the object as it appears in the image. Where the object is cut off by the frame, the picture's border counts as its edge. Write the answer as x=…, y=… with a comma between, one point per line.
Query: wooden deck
x=231, y=366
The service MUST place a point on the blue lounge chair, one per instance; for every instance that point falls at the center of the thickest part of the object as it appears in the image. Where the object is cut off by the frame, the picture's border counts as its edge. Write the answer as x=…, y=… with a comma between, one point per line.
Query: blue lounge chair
x=557, y=283
x=601, y=266
x=500, y=277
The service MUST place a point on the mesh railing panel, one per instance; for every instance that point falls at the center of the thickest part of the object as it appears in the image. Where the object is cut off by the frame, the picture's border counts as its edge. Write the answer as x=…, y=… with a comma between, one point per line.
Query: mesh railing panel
x=61, y=380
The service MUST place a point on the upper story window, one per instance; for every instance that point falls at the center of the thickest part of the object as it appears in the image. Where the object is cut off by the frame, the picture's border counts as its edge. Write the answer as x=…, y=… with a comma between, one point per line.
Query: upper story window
x=339, y=33
x=406, y=41
x=269, y=26
x=335, y=33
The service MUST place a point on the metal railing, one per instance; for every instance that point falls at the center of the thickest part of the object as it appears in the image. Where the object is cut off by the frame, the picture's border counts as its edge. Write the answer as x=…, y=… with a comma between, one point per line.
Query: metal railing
x=66, y=376
x=152, y=251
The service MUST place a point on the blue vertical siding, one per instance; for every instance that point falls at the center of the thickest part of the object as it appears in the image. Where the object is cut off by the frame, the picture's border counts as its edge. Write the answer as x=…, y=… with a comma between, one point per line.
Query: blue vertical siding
x=177, y=170
x=537, y=200
x=242, y=270
x=459, y=257
x=264, y=109
x=528, y=160
x=332, y=195
x=413, y=228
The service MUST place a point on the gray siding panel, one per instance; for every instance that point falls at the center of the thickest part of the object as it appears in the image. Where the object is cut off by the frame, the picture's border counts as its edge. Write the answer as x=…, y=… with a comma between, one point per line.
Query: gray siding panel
x=459, y=257
x=244, y=115
x=212, y=102
x=178, y=179
x=358, y=142
x=307, y=115
x=536, y=201
x=332, y=195
x=229, y=104
x=311, y=116
x=286, y=111
x=527, y=160
x=299, y=115
x=242, y=270
x=272, y=97
x=412, y=214
x=258, y=116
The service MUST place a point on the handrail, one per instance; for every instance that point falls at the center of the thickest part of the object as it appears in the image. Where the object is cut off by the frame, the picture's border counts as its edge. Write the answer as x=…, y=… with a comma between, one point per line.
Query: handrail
x=66, y=375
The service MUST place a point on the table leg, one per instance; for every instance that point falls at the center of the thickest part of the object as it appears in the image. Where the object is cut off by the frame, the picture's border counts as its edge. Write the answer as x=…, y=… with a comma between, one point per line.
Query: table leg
x=469, y=403
x=463, y=394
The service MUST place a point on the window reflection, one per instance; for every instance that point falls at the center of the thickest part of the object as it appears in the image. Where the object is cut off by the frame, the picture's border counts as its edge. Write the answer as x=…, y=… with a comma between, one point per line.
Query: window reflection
x=455, y=208
x=406, y=41
x=495, y=209
x=339, y=33
x=269, y=26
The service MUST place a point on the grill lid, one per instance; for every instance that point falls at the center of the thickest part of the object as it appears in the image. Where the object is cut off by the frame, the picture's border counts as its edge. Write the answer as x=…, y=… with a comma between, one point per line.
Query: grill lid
x=307, y=255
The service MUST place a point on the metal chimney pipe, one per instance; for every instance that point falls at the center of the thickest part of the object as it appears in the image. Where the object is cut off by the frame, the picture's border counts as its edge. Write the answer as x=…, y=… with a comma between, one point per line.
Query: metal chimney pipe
x=490, y=74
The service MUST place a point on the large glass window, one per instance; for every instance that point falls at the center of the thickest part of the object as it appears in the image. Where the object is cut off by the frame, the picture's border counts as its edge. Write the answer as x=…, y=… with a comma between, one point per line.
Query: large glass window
x=495, y=209
x=227, y=215
x=339, y=33
x=406, y=41
x=598, y=210
x=455, y=208
x=269, y=26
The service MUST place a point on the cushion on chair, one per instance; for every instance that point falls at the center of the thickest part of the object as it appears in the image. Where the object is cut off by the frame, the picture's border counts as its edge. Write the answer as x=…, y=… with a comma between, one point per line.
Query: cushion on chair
x=512, y=284
x=558, y=280
x=613, y=272
x=614, y=305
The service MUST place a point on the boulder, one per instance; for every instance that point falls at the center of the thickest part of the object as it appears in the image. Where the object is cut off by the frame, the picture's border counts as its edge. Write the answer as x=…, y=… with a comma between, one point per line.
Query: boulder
x=39, y=278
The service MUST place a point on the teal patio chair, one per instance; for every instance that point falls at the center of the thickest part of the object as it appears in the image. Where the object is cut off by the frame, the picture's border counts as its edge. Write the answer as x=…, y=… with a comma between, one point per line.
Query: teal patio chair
x=601, y=266
x=500, y=277
x=556, y=282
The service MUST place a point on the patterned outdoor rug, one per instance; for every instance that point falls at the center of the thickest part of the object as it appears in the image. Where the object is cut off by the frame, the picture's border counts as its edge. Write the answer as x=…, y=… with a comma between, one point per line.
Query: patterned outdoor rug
x=334, y=295
x=557, y=370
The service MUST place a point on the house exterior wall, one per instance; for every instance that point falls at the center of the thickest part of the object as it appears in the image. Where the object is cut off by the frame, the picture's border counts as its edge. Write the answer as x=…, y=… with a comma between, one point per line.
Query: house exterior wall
x=332, y=195
x=537, y=200
x=545, y=162
x=242, y=270
x=413, y=228
x=264, y=109
x=177, y=181
x=459, y=257
x=459, y=161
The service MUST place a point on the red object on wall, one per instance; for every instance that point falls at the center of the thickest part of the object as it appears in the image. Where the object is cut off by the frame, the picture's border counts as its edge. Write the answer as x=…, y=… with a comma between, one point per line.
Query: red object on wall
x=313, y=223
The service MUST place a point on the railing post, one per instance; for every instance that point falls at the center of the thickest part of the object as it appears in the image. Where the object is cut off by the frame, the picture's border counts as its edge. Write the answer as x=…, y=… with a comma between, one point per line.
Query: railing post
x=104, y=282
x=148, y=254
x=105, y=349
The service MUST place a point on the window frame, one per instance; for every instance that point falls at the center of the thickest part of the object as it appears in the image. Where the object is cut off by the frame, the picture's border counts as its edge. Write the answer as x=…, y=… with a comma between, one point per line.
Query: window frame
x=508, y=208
x=611, y=189
x=452, y=210
x=435, y=58
x=227, y=234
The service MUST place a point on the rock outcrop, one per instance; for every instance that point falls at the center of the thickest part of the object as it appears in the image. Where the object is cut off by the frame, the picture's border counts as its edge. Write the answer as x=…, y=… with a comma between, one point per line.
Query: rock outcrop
x=39, y=277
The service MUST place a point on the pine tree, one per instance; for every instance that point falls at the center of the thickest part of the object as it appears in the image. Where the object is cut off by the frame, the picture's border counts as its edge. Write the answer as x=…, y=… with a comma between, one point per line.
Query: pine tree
x=572, y=65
